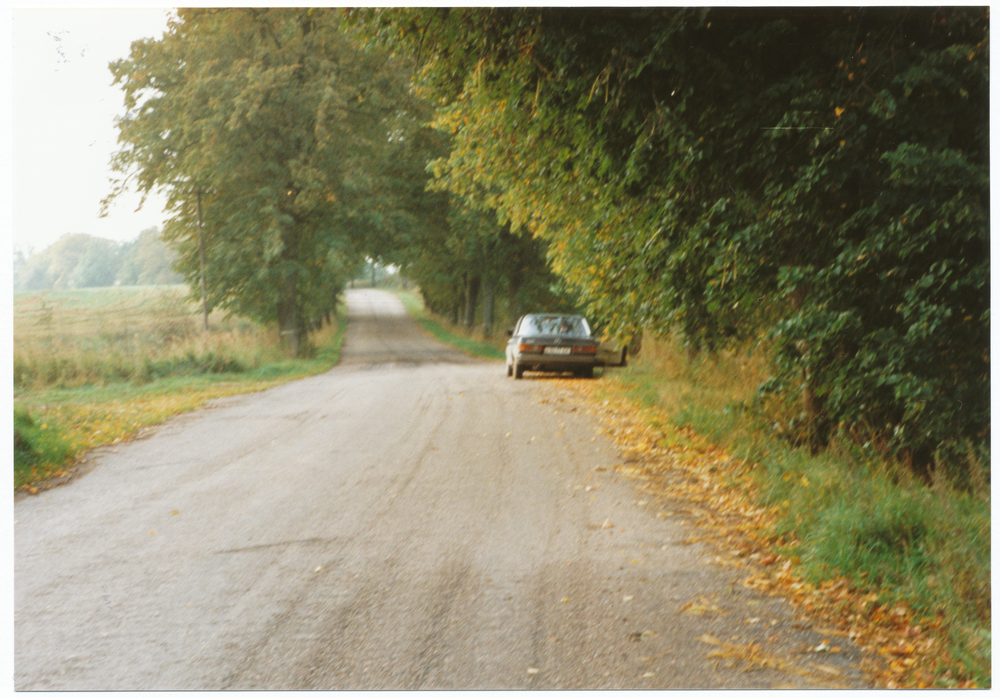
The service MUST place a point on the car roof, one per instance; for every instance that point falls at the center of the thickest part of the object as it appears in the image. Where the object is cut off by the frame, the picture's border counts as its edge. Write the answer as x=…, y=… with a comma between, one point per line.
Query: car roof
x=554, y=315
x=530, y=319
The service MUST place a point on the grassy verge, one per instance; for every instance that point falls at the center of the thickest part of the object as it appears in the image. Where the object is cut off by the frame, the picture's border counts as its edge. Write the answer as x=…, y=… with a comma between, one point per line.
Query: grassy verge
x=55, y=425
x=914, y=556
x=456, y=337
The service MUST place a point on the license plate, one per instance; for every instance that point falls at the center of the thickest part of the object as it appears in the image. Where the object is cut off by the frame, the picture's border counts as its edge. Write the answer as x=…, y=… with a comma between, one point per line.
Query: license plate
x=558, y=351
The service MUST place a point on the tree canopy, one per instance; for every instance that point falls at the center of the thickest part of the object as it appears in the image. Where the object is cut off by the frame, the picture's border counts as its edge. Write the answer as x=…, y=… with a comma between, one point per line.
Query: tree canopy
x=76, y=260
x=817, y=178
x=266, y=128
x=147, y=261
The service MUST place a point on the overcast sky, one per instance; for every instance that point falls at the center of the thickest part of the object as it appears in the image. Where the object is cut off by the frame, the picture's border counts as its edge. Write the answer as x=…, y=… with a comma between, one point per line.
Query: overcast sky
x=62, y=120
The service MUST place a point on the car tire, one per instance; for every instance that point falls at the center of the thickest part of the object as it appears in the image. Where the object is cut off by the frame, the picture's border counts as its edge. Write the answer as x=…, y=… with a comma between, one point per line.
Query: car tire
x=586, y=372
x=518, y=372
x=510, y=370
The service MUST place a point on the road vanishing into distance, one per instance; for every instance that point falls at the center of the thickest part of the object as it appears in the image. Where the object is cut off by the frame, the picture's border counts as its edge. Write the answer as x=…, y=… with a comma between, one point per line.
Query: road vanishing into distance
x=411, y=519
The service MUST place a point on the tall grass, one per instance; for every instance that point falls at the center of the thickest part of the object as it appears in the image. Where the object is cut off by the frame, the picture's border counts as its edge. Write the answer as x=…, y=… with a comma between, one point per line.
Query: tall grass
x=107, y=336
x=93, y=367
x=843, y=511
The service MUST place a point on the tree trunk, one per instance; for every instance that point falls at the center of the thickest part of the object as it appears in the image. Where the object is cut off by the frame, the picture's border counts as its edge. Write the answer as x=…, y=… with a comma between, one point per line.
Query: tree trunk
x=288, y=321
x=290, y=325
x=471, y=299
x=201, y=257
x=488, y=306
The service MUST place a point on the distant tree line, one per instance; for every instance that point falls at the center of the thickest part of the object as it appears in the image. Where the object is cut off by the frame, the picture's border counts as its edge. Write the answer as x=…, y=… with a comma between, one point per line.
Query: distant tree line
x=78, y=260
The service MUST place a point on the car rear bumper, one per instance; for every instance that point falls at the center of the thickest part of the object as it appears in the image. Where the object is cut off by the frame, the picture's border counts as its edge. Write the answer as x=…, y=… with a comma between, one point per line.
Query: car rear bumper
x=562, y=363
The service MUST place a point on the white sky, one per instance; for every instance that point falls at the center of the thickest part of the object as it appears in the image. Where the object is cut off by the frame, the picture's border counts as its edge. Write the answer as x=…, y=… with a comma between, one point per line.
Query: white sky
x=62, y=122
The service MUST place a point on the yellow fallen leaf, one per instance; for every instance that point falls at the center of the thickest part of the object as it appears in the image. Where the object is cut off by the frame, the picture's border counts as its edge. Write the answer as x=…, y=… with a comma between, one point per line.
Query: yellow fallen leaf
x=700, y=607
x=828, y=669
x=710, y=640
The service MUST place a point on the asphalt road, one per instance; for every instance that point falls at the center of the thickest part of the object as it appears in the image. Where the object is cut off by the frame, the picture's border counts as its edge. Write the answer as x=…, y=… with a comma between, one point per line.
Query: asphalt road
x=411, y=519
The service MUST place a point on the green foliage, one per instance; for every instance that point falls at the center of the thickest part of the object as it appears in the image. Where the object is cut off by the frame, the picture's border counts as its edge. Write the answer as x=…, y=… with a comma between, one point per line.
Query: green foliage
x=267, y=129
x=35, y=445
x=83, y=261
x=817, y=176
x=74, y=261
x=147, y=261
x=470, y=346
x=470, y=265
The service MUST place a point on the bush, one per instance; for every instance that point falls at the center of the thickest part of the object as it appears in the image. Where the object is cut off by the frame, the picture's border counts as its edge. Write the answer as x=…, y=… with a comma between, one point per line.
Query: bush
x=35, y=445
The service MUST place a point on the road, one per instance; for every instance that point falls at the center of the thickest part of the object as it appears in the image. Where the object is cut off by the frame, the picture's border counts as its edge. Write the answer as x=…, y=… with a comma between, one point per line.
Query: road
x=410, y=519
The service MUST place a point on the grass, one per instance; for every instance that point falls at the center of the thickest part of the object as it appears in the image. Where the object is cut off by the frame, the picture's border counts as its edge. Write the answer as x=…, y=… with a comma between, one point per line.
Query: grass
x=487, y=348
x=842, y=514
x=94, y=367
x=137, y=334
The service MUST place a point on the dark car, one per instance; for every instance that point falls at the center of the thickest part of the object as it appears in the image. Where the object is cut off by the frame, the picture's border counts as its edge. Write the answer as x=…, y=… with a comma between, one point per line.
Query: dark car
x=557, y=343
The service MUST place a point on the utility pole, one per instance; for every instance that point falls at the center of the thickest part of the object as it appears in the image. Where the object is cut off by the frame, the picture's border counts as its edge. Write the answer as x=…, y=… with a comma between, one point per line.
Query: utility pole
x=201, y=253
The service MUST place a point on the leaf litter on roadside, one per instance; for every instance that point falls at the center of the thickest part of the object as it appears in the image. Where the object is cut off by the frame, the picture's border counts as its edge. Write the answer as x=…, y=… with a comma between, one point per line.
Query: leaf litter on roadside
x=677, y=465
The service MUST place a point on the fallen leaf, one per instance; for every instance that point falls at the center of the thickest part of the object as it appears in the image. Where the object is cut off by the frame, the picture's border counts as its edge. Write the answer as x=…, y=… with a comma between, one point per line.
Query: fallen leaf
x=641, y=636
x=827, y=669
x=700, y=607
x=710, y=640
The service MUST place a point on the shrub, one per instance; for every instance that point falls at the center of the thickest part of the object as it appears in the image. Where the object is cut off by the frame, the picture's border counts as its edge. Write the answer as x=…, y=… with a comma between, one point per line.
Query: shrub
x=35, y=445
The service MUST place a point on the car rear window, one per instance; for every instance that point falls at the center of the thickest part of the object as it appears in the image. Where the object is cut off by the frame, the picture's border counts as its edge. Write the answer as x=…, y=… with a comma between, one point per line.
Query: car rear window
x=566, y=325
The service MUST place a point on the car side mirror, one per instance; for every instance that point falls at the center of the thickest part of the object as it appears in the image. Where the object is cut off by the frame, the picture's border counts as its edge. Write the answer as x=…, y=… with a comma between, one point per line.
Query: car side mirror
x=510, y=333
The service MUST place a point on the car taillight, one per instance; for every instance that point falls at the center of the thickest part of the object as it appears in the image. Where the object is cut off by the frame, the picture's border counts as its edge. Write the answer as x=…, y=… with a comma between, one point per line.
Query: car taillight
x=530, y=348
x=584, y=350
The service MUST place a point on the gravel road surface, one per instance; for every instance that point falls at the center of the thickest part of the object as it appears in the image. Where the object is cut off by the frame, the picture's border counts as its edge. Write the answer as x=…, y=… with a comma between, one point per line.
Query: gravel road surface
x=410, y=519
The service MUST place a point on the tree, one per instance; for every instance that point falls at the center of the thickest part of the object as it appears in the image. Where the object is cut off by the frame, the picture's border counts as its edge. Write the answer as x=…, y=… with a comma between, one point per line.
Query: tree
x=816, y=176
x=76, y=260
x=147, y=261
x=275, y=121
